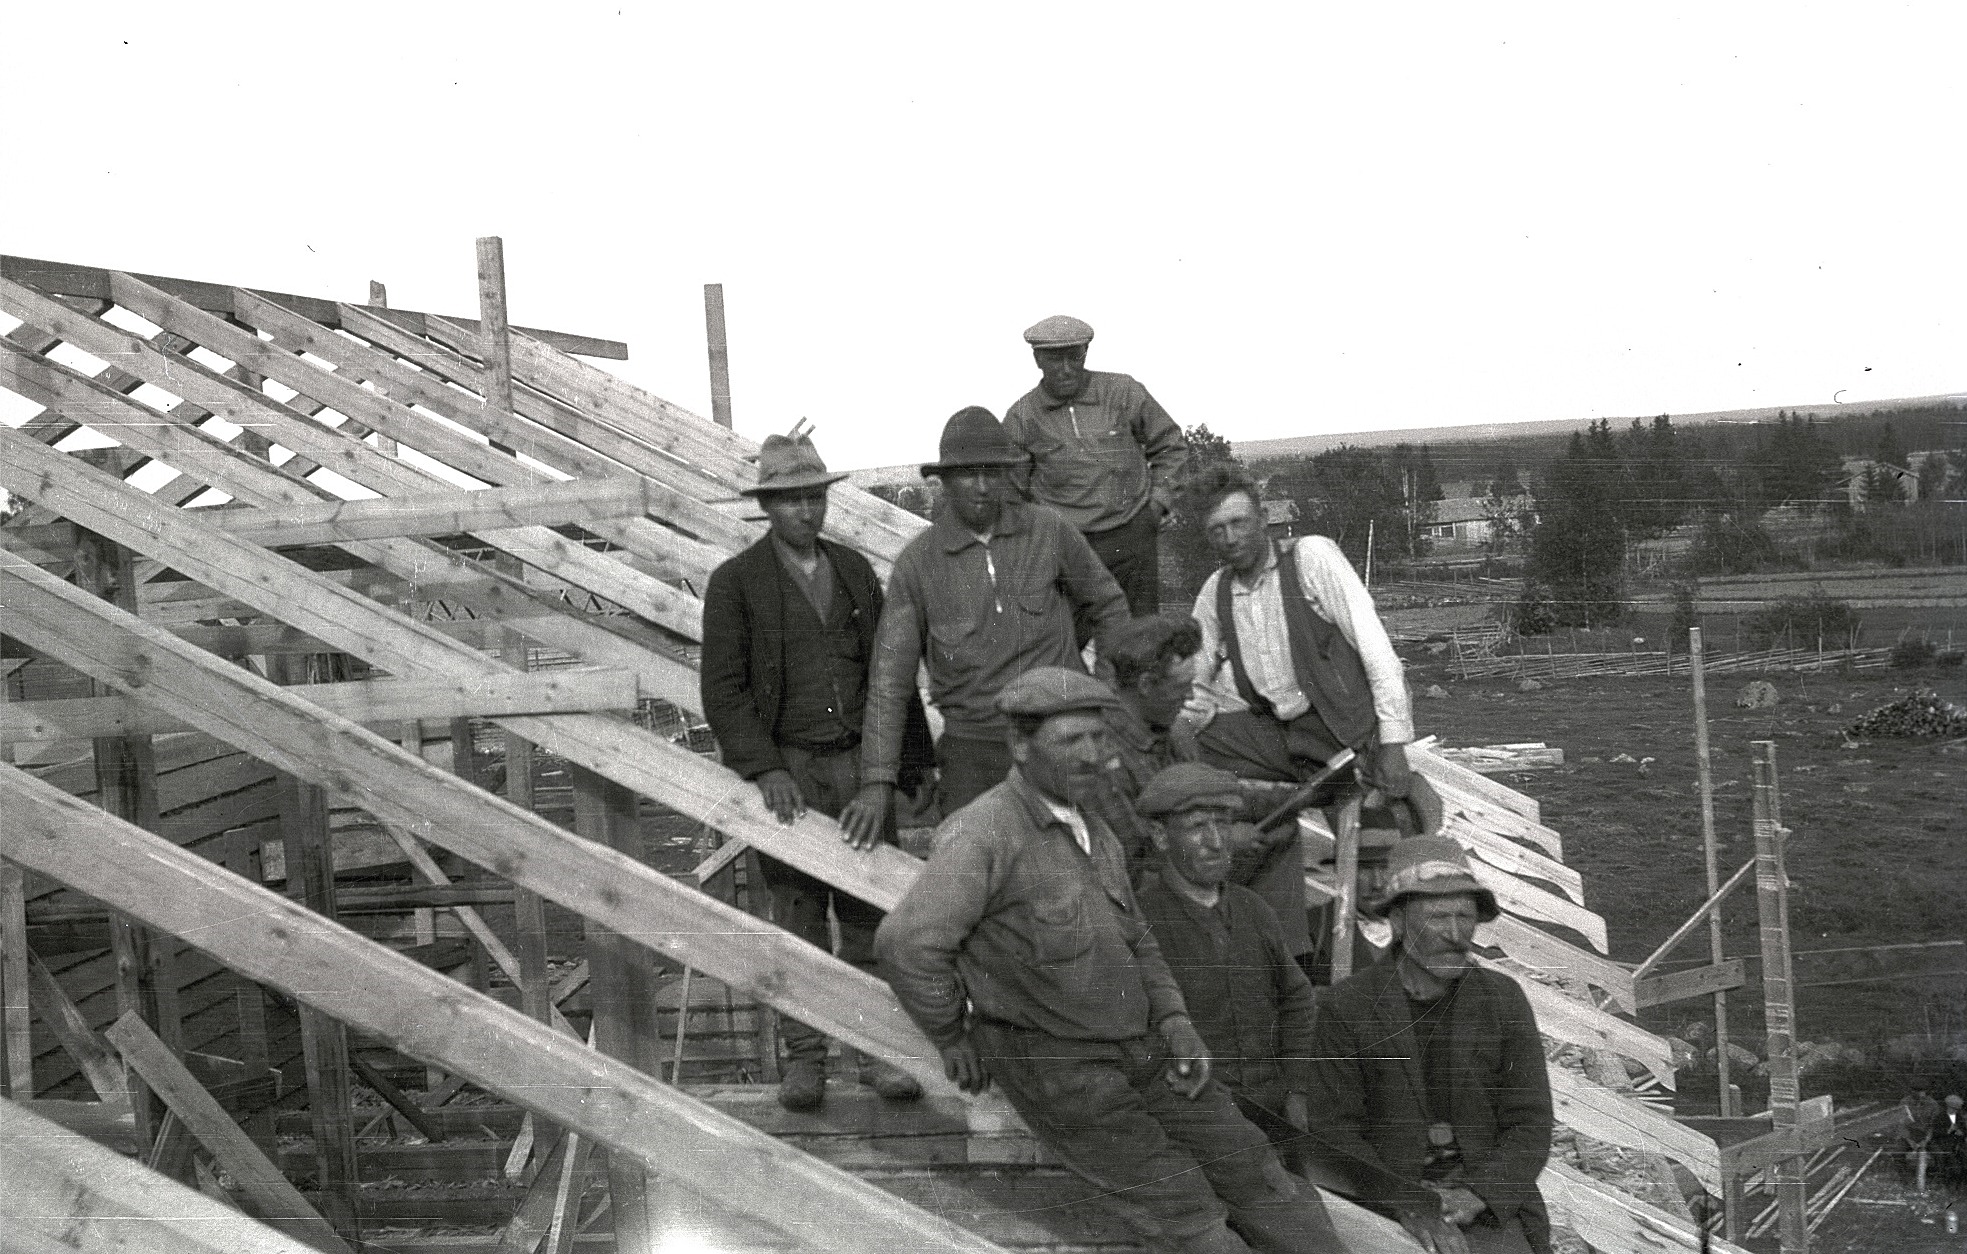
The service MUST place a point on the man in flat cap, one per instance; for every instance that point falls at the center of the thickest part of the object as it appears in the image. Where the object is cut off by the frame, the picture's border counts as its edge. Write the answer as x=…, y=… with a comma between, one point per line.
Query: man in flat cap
x=1153, y=668
x=1020, y=951
x=1431, y=1067
x=989, y=591
x=1104, y=454
x=789, y=630
x=1248, y=997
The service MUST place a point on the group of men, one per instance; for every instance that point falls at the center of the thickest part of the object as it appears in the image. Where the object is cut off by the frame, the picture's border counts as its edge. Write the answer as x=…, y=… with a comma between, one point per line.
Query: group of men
x=1933, y=1135
x=1098, y=931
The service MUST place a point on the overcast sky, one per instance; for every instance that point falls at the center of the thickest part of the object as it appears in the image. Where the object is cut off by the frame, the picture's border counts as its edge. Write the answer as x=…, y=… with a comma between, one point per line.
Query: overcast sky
x=1283, y=219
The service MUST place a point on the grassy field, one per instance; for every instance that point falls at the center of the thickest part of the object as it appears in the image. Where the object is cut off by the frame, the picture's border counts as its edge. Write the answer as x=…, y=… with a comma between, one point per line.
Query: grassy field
x=1879, y=855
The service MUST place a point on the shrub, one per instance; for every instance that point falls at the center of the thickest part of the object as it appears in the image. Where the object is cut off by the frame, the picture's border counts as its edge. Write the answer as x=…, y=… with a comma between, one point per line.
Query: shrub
x=1533, y=614
x=1686, y=611
x=1911, y=652
x=1732, y=546
x=1802, y=622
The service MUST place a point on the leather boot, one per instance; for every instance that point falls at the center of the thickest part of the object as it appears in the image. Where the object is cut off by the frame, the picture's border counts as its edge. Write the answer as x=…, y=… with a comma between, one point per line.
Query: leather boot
x=890, y=1082
x=803, y=1087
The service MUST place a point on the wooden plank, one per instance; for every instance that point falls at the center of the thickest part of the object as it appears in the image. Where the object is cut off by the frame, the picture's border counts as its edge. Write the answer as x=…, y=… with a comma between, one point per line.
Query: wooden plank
x=1597, y=1111
x=397, y=1099
x=67, y=279
x=269, y=1192
x=1531, y=902
x=348, y=456
x=1473, y=784
x=580, y=501
x=99, y=1066
x=1615, y=1222
x=1694, y=921
x=615, y=748
x=408, y=793
x=16, y=1012
x=374, y=701
x=437, y=572
x=430, y=1017
x=1553, y=955
x=72, y=1194
x=1506, y=855
x=1694, y=982
x=720, y=355
x=1778, y=995
x=1576, y=1022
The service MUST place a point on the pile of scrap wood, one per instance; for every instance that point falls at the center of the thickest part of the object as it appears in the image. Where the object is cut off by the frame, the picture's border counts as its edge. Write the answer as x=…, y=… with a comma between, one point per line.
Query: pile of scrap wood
x=1498, y=759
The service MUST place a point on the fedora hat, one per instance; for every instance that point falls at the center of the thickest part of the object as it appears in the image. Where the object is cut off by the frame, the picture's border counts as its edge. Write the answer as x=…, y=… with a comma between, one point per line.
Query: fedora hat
x=974, y=437
x=1428, y=866
x=786, y=464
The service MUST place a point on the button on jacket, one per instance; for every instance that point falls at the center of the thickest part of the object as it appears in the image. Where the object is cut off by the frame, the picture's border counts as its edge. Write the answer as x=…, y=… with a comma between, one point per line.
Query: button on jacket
x=1011, y=914
x=980, y=615
x=1250, y=1001
x=1099, y=457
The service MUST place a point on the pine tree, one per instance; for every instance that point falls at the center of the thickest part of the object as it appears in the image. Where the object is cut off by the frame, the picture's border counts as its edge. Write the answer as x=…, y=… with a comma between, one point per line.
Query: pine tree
x=1578, y=548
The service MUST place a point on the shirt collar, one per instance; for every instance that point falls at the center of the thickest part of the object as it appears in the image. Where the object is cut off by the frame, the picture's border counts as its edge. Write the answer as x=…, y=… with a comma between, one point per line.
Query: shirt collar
x=954, y=537
x=791, y=559
x=1237, y=586
x=1091, y=396
x=1037, y=804
x=1194, y=908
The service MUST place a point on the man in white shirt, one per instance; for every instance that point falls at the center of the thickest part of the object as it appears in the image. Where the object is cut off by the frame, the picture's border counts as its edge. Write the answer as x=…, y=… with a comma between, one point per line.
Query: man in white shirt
x=1295, y=666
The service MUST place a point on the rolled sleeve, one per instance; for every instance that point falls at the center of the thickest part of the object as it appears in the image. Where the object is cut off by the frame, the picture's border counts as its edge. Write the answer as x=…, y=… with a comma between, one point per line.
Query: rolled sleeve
x=1329, y=578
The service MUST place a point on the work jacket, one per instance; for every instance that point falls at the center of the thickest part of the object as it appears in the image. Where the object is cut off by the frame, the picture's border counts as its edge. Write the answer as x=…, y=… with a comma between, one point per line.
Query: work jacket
x=1012, y=916
x=980, y=615
x=743, y=666
x=1101, y=456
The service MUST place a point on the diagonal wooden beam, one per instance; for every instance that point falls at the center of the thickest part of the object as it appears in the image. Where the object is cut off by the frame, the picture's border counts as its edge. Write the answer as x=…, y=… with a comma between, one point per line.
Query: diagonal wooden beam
x=69, y=1193
x=435, y=571
x=69, y=1026
x=269, y=1192
x=614, y=748
x=410, y=795
x=92, y=282
x=723, y=1162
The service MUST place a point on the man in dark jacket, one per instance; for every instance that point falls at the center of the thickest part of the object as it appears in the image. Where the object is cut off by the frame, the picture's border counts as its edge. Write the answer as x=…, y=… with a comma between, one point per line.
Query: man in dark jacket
x=1248, y=997
x=789, y=630
x=1431, y=1067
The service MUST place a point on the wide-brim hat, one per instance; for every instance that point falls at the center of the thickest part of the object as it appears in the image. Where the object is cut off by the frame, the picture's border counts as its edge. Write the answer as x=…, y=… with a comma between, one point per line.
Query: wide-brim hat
x=974, y=437
x=787, y=464
x=1428, y=866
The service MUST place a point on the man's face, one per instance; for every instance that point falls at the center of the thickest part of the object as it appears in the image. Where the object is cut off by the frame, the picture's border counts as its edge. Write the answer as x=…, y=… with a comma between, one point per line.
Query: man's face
x=1196, y=844
x=1235, y=530
x=797, y=516
x=1162, y=695
x=1066, y=755
x=976, y=495
x=1437, y=932
x=1064, y=369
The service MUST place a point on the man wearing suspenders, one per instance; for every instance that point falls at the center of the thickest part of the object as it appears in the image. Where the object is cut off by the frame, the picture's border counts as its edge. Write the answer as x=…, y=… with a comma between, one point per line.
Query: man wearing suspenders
x=1295, y=667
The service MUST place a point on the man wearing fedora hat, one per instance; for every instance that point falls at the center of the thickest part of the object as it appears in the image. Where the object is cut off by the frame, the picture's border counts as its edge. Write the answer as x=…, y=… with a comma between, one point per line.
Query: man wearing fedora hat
x=988, y=592
x=1431, y=1067
x=1104, y=454
x=789, y=628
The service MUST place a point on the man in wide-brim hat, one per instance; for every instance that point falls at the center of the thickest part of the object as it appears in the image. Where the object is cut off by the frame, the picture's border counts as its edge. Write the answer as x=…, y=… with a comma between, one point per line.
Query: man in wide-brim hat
x=1431, y=1066
x=789, y=629
x=988, y=592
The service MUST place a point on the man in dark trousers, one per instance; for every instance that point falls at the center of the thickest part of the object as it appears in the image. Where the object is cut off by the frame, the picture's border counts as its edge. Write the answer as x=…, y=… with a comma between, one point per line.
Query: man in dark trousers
x=989, y=591
x=1948, y=1146
x=789, y=629
x=1104, y=454
x=1022, y=955
x=1250, y=1001
x=1295, y=667
x=1431, y=1067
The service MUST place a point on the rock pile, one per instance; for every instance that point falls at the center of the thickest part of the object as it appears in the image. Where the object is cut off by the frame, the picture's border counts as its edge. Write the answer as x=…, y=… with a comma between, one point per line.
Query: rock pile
x=1922, y=713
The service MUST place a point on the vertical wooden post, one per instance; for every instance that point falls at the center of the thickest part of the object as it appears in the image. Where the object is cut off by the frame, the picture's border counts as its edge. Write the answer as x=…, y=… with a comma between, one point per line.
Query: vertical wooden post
x=1778, y=995
x=242, y=858
x=720, y=353
x=494, y=330
x=1704, y=778
x=126, y=786
x=14, y=1005
x=1346, y=872
x=378, y=294
x=324, y=1041
x=622, y=992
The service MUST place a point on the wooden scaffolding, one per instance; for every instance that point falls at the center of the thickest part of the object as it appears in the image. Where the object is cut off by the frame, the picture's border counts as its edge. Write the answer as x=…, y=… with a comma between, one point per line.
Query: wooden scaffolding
x=346, y=665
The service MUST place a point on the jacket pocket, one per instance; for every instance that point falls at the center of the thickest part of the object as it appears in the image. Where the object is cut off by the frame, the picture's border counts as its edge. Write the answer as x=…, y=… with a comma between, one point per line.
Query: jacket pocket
x=952, y=650
x=1059, y=930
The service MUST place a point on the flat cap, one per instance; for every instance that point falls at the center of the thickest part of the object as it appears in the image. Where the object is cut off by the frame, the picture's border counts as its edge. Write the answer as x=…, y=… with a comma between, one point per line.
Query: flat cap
x=1185, y=786
x=1059, y=331
x=1047, y=690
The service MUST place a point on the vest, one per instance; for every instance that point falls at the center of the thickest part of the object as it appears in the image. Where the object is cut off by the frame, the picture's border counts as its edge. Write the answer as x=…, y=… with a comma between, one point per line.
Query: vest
x=1328, y=667
x=825, y=672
